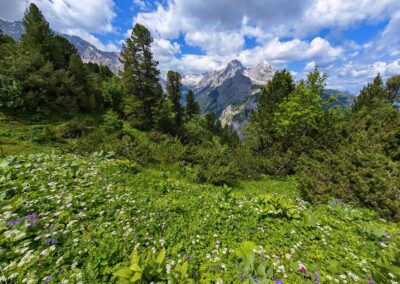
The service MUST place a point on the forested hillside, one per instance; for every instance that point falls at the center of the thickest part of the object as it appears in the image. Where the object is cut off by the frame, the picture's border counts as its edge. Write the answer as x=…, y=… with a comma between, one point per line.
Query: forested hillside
x=108, y=178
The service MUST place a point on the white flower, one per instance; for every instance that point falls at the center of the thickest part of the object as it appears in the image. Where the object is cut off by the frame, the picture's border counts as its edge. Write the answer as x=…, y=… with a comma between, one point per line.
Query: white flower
x=154, y=250
x=208, y=255
x=168, y=268
x=391, y=275
x=288, y=256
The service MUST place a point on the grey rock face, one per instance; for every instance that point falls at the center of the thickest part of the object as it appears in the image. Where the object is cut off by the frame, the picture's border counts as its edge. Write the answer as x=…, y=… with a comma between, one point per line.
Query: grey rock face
x=231, y=93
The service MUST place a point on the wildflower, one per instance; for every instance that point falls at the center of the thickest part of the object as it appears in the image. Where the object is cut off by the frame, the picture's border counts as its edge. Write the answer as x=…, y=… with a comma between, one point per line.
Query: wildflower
x=391, y=275
x=153, y=250
x=302, y=269
x=241, y=276
x=168, y=268
x=316, y=278
x=47, y=279
x=13, y=222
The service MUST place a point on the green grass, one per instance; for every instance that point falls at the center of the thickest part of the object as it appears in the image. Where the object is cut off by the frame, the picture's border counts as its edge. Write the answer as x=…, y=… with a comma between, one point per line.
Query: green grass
x=93, y=211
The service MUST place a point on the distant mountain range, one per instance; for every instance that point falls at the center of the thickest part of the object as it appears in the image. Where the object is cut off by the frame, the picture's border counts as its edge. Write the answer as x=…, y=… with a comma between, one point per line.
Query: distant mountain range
x=87, y=51
x=232, y=93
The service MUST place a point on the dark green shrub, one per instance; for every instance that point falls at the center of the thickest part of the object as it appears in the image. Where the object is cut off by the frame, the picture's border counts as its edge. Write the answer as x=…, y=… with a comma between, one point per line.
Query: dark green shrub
x=77, y=127
x=111, y=122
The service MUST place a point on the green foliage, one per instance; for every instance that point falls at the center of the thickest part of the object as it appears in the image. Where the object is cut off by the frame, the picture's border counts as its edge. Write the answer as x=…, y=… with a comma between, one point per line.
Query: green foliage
x=93, y=211
x=393, y=88
x=113, y=93
x=174, y=86
x=77, y=127
x=111, y=122
x=38, y=35
x=10, y=93
x=140, y=78
x=192, y=107
x=372, y=95
x=278, y=206
x=364, y=168
x=150, y=268
x=260, y=132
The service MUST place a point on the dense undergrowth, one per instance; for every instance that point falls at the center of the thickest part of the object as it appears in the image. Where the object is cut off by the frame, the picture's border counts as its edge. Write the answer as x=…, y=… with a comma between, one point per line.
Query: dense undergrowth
x=71, y=219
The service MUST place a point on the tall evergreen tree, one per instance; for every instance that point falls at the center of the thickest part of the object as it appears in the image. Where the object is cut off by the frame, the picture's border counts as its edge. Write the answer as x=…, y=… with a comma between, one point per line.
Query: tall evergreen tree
x=174, y=85
x=192, y=107
x=140, y=78
x=260, y=132
x=38, y=34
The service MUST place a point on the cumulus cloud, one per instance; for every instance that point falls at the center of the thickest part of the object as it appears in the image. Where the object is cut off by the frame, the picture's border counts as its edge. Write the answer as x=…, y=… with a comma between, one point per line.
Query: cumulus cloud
x=282, y=52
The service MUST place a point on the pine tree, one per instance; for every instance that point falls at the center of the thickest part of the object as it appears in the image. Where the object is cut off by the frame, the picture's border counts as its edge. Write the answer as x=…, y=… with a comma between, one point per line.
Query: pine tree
x=372, y=95
x=393, y=88
x=260, y=133
x=192, y=107
x=38, y=34
x=174, y=86
x=140, y=78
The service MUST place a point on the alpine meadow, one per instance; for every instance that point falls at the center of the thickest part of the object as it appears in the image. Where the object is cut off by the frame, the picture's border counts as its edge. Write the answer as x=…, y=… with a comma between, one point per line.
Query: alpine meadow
x=189, y=141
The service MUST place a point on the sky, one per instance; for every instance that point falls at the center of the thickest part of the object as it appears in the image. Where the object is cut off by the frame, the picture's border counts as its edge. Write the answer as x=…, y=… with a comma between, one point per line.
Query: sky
x=352, y=41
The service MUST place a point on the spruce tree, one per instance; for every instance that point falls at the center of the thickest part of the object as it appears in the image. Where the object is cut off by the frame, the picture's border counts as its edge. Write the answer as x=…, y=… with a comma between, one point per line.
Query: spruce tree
x=140, y=78
x=38, y=34
x=260, y=133
x=192, y=107
x=174, y=86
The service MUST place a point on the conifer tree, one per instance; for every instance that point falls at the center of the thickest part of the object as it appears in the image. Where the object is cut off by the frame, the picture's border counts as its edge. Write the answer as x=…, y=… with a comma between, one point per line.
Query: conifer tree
x=140, y=78
x=260, y=132
x=192, y=107
x=372, y=95
x=174, y=86
x=38, y=34
x=393, y=88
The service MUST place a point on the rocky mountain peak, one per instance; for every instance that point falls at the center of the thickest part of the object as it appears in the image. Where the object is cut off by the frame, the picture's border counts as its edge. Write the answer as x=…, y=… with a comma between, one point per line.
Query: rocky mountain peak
x=234, y=64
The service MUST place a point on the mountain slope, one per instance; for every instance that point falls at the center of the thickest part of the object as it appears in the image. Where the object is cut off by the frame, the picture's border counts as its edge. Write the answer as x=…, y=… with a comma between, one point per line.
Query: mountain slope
x=87, y=51
x=231, y=86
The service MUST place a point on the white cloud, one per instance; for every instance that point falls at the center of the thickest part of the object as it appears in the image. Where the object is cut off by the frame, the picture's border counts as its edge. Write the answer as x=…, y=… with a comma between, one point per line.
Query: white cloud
x=143, y=5
x=344, y=13
x=12, y=10
x=216, y=42
x=282, y=52
x=310, y=66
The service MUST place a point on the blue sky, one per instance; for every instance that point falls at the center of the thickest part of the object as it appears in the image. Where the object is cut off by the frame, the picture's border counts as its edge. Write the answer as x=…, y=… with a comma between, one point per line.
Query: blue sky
x=350, y=40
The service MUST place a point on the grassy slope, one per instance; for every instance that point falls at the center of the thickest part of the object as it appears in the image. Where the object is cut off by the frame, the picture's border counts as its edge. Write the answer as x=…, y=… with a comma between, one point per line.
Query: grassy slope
x=93, y=211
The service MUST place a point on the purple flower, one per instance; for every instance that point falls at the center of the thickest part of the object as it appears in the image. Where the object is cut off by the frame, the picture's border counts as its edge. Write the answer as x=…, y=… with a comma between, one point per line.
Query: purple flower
x=61, y=271
x=50, y=241
x=316, y=278
x=241, y=276
x=31, y=218
x=13, y=222
x=47, y=280
x=279, y=281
